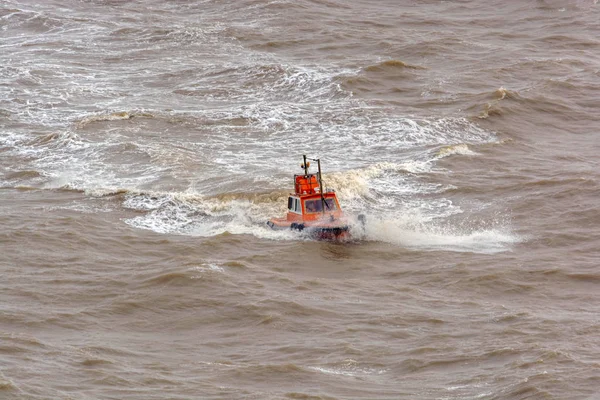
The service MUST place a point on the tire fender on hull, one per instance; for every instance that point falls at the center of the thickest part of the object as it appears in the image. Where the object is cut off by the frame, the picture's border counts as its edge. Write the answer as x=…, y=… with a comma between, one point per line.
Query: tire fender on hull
x=296, y=226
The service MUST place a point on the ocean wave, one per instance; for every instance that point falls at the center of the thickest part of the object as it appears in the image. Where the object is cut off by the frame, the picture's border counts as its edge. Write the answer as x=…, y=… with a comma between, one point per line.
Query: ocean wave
x=390, y=65
x=492, y=108
x=350, y=367
x=457, y=149
x=113, y=116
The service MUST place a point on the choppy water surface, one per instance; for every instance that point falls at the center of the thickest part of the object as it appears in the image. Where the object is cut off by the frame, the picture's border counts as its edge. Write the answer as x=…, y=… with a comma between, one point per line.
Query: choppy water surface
x=144, y=144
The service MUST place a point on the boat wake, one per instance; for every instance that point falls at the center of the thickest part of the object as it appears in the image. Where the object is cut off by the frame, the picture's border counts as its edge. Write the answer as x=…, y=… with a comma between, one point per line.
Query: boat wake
x=195, y=215
x=432, y=236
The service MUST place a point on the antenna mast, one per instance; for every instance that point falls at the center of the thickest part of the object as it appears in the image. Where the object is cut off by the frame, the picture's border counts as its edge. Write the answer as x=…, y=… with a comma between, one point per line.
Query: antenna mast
x=323, y=204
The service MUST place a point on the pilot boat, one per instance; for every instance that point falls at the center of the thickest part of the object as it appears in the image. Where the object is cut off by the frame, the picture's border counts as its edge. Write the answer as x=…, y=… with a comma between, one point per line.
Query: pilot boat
x=311, y=209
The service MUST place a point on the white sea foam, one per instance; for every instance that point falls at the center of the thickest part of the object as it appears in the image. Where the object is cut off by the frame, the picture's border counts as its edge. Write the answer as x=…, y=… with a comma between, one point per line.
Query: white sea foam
x=433, y=235
x=207, y=268
x=247, y=137
x=391, y=184
x=349, y=368
x=195, y=215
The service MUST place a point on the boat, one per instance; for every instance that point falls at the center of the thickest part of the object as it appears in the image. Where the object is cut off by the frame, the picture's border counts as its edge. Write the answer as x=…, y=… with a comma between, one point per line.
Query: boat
x=312, y=210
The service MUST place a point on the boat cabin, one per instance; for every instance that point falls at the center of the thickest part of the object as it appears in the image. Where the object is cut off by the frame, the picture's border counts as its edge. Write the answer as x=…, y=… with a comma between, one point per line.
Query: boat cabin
x=308, y=204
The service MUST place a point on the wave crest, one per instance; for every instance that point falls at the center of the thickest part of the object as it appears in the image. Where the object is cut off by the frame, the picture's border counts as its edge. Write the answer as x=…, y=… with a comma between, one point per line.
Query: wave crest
x=391, y=65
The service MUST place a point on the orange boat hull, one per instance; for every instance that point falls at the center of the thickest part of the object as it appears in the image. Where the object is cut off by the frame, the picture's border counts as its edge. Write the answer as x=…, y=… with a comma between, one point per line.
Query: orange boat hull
x=315, y=229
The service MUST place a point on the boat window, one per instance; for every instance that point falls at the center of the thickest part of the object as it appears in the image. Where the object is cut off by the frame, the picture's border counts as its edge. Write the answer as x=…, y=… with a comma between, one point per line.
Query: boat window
x=314, y=206
x=290, y=203
x=297, y=206
x=330, y=204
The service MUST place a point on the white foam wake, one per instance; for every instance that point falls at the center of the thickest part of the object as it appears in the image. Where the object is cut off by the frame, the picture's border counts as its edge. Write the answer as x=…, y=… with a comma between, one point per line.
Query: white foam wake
x=432, y=235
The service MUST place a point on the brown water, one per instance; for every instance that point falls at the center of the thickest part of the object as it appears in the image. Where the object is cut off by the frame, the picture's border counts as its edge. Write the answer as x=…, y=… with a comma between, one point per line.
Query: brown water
x=143, y=145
